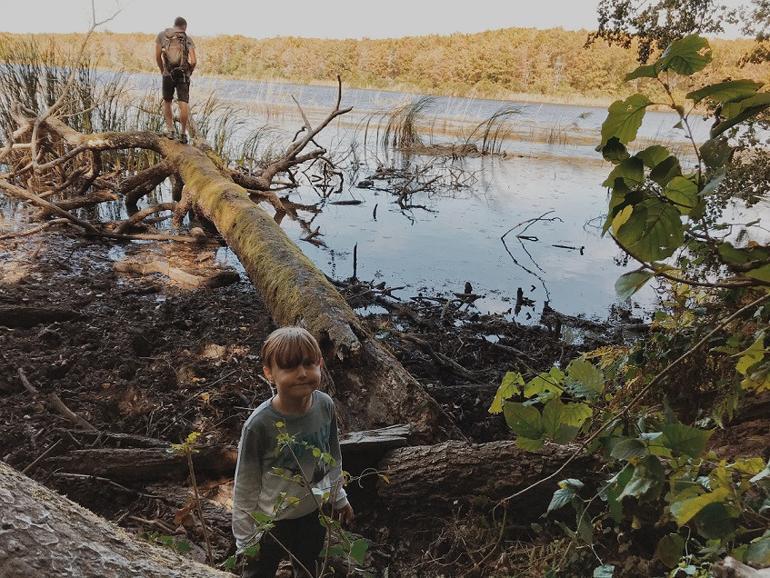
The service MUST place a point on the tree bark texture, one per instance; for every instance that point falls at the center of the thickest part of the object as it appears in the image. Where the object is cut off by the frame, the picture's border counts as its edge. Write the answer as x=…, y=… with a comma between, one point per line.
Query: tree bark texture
x=435, y=479
x=44, y=534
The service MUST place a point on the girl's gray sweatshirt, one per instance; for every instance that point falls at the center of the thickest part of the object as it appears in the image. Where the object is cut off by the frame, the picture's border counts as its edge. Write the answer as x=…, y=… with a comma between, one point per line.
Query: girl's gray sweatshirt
x=265, y=475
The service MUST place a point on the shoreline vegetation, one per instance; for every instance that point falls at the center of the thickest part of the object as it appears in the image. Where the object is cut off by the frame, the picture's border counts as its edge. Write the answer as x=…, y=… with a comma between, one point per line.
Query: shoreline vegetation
x=517, y=64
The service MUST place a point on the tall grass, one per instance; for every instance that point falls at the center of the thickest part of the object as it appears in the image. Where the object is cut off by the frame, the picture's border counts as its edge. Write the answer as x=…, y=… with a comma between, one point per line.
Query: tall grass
x=33, y=76
x=401, y=130
x=493, y=131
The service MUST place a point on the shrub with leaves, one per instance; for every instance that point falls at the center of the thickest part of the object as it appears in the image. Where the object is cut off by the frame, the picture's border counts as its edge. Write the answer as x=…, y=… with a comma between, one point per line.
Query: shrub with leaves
x=668, y=495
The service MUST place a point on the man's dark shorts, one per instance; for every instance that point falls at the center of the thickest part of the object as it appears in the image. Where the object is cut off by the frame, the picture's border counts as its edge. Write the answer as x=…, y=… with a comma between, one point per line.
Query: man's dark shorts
x=179, y=83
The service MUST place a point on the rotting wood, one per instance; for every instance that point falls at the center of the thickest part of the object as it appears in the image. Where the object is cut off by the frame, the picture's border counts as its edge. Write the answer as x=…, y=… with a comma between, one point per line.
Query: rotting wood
x=45, y=534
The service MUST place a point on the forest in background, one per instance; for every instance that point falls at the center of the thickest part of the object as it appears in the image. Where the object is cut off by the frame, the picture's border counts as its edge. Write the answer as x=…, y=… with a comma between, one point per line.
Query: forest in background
x=550, y=64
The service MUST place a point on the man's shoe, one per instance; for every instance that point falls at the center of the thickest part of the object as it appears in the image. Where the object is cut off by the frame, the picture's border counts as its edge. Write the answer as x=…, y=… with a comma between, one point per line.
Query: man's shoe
x=183, y=138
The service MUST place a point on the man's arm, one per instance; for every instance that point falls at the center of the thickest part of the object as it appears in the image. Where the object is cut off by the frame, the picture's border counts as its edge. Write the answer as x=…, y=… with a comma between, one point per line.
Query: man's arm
x=159, y=56
x=246, y=488
x=191, y=59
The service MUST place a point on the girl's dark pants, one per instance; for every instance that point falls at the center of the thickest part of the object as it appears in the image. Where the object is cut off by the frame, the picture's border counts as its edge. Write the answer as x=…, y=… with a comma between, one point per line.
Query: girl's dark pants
x=304, y=537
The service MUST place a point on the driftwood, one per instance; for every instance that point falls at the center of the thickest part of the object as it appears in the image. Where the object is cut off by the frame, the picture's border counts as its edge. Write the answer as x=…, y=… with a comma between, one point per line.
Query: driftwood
x=45, y=534
x=184, y=278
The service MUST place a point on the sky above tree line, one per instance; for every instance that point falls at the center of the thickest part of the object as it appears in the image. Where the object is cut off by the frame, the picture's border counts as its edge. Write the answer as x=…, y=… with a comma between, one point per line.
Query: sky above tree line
x=309, y=18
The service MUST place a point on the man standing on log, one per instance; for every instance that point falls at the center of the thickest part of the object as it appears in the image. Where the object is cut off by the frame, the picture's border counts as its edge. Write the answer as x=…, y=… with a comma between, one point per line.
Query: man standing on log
x=175, y=56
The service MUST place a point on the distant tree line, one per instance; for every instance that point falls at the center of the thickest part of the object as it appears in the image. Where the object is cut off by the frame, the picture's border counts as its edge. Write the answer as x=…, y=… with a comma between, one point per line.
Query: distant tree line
x=497, y=64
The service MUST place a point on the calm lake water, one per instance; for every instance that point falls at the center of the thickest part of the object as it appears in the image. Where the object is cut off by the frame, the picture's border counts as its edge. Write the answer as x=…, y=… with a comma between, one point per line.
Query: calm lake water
x=550, y=167
x=459, y=241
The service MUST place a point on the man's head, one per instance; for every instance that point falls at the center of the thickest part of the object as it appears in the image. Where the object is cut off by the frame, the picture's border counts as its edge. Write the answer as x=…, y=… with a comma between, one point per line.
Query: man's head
x=180, y=23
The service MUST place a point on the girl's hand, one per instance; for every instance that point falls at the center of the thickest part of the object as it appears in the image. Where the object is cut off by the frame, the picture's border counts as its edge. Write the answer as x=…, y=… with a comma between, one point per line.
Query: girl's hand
x=345, y=515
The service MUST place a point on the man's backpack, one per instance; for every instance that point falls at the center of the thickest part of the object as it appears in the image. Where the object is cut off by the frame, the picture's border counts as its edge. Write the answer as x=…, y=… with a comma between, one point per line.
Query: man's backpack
x=175, y=52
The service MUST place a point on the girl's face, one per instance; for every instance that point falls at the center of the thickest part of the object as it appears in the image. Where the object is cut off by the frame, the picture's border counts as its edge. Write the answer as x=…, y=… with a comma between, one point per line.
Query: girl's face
x=295, y=382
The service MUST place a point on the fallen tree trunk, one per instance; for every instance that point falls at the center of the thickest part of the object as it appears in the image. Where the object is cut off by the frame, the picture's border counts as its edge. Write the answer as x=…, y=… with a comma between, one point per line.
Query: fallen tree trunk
x=435, y=479
x=153, y=461
x=45, y=534
x=145, y=464
x=372, y=388
x=427, y=480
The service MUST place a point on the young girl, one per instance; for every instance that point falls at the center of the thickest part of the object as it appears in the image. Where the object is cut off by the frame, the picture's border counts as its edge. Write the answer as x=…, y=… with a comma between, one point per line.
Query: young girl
x=265, y=475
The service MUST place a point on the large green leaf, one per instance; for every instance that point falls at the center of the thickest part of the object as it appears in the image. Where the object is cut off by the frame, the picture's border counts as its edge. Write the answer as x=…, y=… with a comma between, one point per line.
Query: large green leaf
x=751, y=356
x=753, y=103
x=739, y=111
x=545, y=385
x=524, y=420
x=628, y=449
x=760, y=273
x=510, y=386
x=556, y=424
x=358, y=550
x=685, y=440
x=614, y=490
x=584, y=379
x=758, y=552
x=647, y=479
x=644, y=71
x=614, y=151
x=684, y=510
x=629, y=283
x=666, y=170
x=683, y=193
x=670, y=549
x=624, y=117
x=575, y=414
x=716, y=521
x=653, y=231
x=727, y=91
x=653, y=155
x=732, y=255
x=630, y=171
x=685, y=56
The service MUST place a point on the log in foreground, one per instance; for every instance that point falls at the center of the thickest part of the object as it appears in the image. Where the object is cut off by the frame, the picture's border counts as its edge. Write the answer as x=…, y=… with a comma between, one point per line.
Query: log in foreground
x=372, y=388
x=436, y=479
x=45, y=534
x=148, y=464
